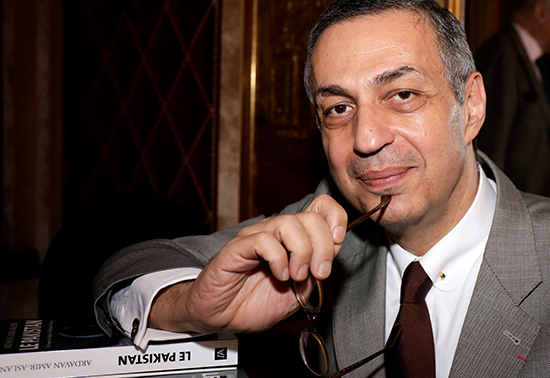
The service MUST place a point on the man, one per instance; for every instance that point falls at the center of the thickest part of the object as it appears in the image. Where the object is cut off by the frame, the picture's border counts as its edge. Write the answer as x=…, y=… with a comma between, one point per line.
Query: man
x=516, y=133
x=399, y=104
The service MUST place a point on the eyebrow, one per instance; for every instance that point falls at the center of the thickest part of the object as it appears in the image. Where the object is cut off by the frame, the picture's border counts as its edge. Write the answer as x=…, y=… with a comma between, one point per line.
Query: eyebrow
x=332, y=90
x=382, y=78
x=394, y=74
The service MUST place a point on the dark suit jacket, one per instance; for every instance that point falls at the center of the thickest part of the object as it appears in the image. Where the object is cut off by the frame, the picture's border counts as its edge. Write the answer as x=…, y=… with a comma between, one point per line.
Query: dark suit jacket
x=507, y=328
x=516, y=133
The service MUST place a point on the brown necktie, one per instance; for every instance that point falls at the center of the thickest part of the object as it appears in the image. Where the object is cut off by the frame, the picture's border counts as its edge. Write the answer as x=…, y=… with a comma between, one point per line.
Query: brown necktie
x=414, y=355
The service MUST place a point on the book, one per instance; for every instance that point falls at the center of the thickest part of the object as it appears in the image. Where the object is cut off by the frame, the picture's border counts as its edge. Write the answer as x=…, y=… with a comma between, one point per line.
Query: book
x=51, y=349
x=200, y=373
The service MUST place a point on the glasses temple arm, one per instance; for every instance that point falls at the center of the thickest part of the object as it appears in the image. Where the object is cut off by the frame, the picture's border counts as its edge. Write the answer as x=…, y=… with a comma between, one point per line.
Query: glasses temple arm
x=394, y=335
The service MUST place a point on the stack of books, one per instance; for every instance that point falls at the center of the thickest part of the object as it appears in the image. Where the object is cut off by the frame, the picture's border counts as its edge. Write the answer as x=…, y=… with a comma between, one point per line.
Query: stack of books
x=51, y=349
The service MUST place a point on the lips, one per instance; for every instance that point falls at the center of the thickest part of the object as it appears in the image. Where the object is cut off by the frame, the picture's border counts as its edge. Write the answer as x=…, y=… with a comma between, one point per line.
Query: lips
x=385, y=178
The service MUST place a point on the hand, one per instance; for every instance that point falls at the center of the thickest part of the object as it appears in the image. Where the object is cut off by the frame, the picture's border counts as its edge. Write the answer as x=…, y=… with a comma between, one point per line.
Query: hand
x=246, y=287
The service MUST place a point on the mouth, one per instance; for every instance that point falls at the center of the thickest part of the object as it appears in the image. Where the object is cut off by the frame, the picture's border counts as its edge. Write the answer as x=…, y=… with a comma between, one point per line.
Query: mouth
x=380, y=180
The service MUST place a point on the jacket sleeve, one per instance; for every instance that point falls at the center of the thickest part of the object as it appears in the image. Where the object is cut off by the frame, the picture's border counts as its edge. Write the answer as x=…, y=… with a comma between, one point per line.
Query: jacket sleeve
x=134, y=261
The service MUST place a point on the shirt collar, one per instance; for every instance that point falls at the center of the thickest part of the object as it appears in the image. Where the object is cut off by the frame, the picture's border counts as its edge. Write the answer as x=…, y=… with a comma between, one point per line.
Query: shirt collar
x=448, y=261
x=532, y=47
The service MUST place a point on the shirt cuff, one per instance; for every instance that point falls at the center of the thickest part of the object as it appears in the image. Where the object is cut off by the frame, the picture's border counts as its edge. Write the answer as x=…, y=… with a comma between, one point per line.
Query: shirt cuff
x=131, y=306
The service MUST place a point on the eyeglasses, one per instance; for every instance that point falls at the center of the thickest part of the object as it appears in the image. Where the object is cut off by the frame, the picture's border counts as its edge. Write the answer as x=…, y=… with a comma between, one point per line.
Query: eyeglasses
x=312, y=345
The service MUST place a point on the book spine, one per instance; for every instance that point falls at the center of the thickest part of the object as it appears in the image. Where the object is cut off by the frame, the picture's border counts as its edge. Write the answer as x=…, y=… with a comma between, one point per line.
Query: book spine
x=120, y=359
x=224, y=372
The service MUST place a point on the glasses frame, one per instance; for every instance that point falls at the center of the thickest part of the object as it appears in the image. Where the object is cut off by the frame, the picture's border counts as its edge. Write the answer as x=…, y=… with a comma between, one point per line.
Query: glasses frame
x=312, y=311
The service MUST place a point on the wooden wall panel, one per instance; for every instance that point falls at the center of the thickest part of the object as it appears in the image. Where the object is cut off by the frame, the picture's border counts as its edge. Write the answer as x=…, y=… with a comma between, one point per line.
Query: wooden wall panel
x=483, y=19
x=142, y=101
x=283, y=157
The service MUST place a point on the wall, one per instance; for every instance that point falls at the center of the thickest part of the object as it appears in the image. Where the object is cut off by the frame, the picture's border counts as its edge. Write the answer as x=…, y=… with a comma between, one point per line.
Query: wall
x=33, y=163
x=31, y=146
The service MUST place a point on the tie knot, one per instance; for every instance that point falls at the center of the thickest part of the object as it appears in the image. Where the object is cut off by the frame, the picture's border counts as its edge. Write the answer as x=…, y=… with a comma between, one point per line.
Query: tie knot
x=415, y=285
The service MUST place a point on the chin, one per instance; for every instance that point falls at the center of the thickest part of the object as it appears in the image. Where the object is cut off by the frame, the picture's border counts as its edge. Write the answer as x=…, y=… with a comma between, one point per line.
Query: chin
x=396, y=214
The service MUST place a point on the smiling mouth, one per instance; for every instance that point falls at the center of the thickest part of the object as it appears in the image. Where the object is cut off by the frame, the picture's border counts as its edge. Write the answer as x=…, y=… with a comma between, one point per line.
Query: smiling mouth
x=385, y=178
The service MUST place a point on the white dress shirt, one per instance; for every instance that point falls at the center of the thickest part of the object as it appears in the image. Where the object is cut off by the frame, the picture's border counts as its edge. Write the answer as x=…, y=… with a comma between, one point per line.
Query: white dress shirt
x=452, y=265
x=134, y=302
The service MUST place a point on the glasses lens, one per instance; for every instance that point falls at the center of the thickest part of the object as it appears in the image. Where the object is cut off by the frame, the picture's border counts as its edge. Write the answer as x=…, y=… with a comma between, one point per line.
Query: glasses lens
x=314, y=352
x=303, y=290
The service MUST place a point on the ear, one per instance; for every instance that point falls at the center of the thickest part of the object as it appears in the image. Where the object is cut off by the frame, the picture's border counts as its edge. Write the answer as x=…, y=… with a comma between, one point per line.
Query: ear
x=475, y=100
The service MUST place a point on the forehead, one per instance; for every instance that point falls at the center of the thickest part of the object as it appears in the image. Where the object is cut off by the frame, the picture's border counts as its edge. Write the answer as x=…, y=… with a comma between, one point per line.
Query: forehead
x=366, y=45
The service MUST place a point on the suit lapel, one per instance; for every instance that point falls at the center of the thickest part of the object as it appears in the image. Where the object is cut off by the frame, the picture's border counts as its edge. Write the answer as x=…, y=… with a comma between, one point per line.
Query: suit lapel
x=359, y=300
x=497, y=334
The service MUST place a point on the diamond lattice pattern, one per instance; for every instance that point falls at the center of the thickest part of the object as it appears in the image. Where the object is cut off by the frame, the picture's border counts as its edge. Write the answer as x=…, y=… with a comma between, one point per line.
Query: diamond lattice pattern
x=150, y=108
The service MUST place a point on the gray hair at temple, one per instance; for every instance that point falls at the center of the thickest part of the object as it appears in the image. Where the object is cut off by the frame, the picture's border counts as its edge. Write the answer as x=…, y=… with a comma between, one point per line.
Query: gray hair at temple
x=454, y=50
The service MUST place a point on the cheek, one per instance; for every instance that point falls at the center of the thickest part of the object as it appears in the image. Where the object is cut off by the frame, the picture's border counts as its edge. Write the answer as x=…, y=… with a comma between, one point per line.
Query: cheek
x=336, y=150
x=454, y=139
x=439, y=139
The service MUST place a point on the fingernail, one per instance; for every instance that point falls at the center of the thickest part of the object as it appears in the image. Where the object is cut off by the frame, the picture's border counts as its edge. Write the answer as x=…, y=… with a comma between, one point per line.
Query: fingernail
x=324, y=269
x=303, y=272
x=286, y=275
x=338, y=234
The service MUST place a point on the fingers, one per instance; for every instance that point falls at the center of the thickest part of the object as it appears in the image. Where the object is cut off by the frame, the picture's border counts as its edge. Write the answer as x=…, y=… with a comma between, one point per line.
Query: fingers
x=266, y=246
x=288, y=243
x=322, y=247
x=295, y=245
x=335, y=216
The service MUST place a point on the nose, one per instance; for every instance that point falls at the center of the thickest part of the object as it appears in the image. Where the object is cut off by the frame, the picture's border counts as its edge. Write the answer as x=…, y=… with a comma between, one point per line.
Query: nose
x=372, y=131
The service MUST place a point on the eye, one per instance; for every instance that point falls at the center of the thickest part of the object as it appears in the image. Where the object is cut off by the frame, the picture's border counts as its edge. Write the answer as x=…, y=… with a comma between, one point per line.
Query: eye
x=338, y=109
x=336, y=115
x=405, y=95
x=406, y=101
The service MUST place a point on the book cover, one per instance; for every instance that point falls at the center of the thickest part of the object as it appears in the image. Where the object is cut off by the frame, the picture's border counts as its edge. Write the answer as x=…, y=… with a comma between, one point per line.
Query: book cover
x=49, y=349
